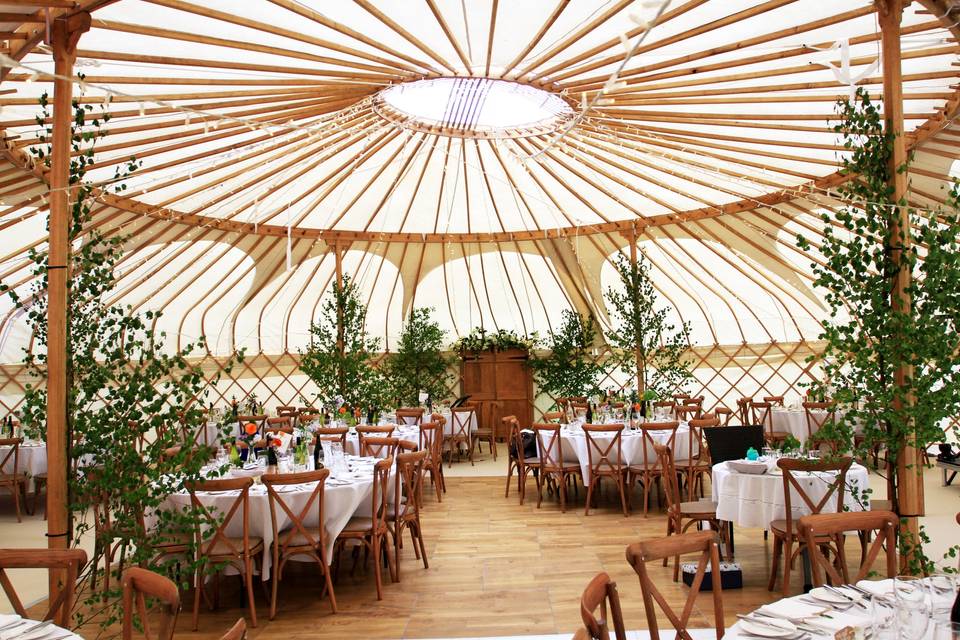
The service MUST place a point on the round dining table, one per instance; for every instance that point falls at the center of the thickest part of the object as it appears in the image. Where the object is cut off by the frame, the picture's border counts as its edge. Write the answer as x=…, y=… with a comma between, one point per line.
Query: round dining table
x=347, y=494
x=33, y=459
x=755, y=500
x=574, y=448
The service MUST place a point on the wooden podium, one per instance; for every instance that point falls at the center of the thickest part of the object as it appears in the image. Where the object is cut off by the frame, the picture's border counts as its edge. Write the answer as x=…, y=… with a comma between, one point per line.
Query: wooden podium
x=501, y=384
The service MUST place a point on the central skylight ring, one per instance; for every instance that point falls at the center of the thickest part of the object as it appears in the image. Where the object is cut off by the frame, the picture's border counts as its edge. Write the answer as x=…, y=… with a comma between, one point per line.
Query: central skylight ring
x=473, y=108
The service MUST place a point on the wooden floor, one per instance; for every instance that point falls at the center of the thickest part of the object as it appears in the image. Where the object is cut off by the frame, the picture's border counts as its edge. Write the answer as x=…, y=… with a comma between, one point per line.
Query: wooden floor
x=496, y=569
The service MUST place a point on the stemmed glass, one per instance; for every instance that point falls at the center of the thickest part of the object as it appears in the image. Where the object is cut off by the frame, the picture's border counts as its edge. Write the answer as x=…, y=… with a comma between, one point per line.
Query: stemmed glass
x=912, y=610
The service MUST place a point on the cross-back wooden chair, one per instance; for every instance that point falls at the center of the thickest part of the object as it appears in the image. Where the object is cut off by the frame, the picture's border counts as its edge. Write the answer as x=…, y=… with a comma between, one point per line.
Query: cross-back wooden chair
x=11, y=478
x=786, y=532
x=486, y=434
x=743, y=409
x=285, y=410
x=604, y=449
x=282, y=424
x=698, y=465
x=650, y=470
x=763, y=415
x=216, y=547
x=404, y=511
x=578, y=409
x=378, y=447
x=775, y=400
x=550, y=454
x=817, y=415
x=296, y=538
x=724, y=415
x=461, y=420
x=237, y=632
x=599, y=595
x=680, y=398
x=259, y=420
x=69, y=561
x=306, y=419
x=140, y=584
x=681, y=515
x=410, y=415
x=442, y=421
x=553, y=416
x=687, y=412
x=704, y=542
x=670, y=405
x=372, y=532
x=518, y=460
x=431, y=437
x=331, y=434
x=834, y=525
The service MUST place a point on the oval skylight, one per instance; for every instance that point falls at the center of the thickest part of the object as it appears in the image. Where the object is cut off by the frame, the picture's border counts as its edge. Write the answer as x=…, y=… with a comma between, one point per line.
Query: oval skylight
x=473, y=107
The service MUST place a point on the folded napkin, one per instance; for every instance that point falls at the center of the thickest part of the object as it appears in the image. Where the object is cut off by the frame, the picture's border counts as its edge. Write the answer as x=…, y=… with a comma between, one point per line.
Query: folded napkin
x=792, y=610
x=285, y=440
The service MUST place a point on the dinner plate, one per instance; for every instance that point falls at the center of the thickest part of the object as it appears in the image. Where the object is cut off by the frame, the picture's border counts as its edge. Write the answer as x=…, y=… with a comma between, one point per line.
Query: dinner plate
x=823, y=594
x=776, y=628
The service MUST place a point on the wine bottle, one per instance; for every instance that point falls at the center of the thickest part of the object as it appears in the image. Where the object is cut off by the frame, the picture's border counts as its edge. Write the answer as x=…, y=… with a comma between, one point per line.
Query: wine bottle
x=589, y=413
x=271, y=453
x=955, y=611
x=318, y=455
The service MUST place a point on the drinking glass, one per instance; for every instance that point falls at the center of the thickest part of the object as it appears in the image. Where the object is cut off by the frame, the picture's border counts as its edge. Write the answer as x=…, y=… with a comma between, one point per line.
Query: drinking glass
x=942, y=589
x=911, y=609
x=883, y=624
x=945, y=630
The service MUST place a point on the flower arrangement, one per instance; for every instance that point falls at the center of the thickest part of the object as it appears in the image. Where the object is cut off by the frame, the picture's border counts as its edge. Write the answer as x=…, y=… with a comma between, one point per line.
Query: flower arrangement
x=479, y=340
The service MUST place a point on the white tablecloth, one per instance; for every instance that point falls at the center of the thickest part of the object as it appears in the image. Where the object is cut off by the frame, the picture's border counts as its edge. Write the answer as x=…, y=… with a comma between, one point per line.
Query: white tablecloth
x=573, y=446
x=409, y=433
x=756, y=500
x=52, y=630
x=33, y=459
x=342, y=500
x=794, y=421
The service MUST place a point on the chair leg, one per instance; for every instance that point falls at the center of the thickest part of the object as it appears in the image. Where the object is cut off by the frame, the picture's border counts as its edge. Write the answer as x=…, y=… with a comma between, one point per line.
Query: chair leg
x=275, y=580
x=423, y=548
x=248, y=577
x=539, y=489
x=586, y=507
x=197, y=586
x=775, y=563
x=16, y=500
x=376, y=566
x=562, y=488
x=787, y=565
x=506, y=494
x=329, y=583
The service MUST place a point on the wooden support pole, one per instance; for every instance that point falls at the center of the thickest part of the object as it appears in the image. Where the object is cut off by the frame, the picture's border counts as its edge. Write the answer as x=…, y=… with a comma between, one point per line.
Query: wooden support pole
x=909, y=492
x=641, y=382
x=64, y=34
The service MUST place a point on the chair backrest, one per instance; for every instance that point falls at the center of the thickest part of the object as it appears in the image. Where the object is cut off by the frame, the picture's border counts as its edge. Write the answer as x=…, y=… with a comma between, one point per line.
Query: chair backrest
x=761, y=414
x=381, y=478
x=260, y=420
x=640, y=553
x=461, y=419
x=409, y=481
x=384, y=431
x=648, y=443
x=687, y=412
x=12, y=454
x=836, y=485
x=777, y=400
x=378, y=447
x=71, y=561
x=604, y=457
x=333, y=434
x=548, y=445
x=600, y=593
x=210, y=526
x=836, y=524
x=237, y=632
x=724, y=415
x=578, y=409
x=670, y=405
x=282, y=424
x=553, y=416
x=671, y=487
x=697, y=439
x=516, y=441
x=743, y=408
x=306, y=419
x=295, y=534
x=431, y=437
x=410, y=415
x=287, y=411
x=680, y=398
x=818, y=414
x=140, y=584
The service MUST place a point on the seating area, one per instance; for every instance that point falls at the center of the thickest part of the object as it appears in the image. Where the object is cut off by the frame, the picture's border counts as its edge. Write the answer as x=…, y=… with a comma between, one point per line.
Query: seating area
x=483, y=320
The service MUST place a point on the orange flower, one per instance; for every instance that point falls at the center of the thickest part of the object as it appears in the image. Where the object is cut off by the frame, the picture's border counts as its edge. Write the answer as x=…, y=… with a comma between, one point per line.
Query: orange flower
x=343, y=409
x=250, y=428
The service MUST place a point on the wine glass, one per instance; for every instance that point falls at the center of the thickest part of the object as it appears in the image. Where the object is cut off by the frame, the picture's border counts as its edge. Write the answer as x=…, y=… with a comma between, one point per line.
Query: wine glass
x=911, y=609
x=883, y=625
x=942, y=589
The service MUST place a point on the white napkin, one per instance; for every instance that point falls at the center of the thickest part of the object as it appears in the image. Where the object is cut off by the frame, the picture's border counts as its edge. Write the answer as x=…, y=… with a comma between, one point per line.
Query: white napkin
x=792, y=610
x=285, y=440
x=882, y=588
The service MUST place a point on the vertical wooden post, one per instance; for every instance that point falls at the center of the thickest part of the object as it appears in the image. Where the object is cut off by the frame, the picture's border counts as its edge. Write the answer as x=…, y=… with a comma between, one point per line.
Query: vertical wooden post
x=908, y=468
x=338, y=256
x=641, y=383
x=64, y=34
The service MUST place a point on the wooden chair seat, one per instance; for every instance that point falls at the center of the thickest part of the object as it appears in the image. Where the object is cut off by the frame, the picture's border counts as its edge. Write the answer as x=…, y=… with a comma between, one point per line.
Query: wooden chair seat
x=357, y=526
x=221, y=549
x=704, y=508
x=780, y=526
x=10, y=478
x=392, y=510
x=300, y=540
